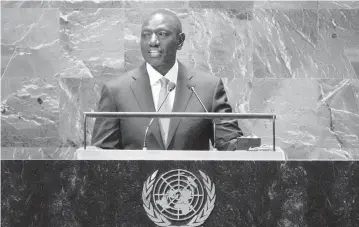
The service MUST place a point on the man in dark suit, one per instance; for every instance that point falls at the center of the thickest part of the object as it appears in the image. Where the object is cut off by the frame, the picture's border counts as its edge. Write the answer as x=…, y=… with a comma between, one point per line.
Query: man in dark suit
x=143, y=89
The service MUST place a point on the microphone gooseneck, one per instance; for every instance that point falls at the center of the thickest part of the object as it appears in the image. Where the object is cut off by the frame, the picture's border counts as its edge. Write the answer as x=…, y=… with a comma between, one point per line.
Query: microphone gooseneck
x=170, y=87
x=213, y=123
x=195, y=93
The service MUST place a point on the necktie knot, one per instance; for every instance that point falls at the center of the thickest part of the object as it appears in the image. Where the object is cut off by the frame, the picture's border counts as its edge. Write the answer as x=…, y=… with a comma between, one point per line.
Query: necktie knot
x=164, y=82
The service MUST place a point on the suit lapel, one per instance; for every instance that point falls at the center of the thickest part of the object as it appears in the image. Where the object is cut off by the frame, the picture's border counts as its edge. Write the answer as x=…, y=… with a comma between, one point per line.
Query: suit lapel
x=141, y=89
x=182, y=97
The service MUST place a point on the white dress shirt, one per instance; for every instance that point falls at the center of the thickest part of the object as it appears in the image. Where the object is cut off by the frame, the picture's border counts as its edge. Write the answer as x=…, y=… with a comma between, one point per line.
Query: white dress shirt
x=155, y=82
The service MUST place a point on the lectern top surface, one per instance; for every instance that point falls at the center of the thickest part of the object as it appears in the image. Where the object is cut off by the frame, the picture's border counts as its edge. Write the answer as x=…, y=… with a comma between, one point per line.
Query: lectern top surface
x=93, y=153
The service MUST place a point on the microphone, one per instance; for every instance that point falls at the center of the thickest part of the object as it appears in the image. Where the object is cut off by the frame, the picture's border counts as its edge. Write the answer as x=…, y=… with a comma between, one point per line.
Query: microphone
x=213, y=123
x=170, y=87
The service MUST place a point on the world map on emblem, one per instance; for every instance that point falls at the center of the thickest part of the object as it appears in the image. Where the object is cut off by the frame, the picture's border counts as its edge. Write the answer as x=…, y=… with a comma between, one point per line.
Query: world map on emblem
x=178, y=195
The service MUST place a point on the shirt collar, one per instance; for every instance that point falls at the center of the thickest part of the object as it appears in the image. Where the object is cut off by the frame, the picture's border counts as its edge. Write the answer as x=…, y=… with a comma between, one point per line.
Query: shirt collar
x=154, y=75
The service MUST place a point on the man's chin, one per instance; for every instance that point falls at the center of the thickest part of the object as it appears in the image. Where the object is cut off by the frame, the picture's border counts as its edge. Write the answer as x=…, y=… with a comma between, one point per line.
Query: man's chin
x=154, y=62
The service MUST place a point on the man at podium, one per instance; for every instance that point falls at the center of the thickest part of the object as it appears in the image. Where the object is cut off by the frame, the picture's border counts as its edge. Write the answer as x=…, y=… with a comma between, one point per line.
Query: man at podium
x=164, y=84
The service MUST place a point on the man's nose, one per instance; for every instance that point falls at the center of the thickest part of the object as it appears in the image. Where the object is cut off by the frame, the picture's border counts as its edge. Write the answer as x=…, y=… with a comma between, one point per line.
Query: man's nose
x=153, y=40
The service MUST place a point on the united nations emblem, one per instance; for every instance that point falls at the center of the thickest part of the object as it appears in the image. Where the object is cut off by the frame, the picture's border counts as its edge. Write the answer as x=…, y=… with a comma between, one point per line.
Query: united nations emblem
x=178, y=198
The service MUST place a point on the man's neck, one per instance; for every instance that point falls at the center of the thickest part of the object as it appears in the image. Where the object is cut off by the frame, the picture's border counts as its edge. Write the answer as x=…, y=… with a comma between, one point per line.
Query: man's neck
x=163, y=69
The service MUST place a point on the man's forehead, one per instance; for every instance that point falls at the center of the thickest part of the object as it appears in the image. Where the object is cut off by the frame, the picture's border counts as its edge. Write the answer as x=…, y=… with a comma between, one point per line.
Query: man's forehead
x=160, y=20
x=158, y=17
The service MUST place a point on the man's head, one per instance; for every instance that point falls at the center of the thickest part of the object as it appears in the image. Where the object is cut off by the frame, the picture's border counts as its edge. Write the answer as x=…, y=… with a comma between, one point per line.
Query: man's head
x=161, y=37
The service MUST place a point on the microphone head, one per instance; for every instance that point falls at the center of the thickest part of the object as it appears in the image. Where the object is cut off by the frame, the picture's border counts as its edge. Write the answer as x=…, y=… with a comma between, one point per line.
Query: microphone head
x=190, y=86
x=171, y=86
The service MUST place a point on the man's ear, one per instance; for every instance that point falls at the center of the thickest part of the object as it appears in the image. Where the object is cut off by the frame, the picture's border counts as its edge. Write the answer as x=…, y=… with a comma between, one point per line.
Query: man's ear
x=181, y=38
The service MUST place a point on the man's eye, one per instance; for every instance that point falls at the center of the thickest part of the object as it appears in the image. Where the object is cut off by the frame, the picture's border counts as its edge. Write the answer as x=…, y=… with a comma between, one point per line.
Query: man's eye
x=145, y=34
x=162, y=34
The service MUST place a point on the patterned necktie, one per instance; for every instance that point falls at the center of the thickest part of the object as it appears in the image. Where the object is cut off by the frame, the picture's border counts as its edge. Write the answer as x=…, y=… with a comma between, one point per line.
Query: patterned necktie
x=166, y=107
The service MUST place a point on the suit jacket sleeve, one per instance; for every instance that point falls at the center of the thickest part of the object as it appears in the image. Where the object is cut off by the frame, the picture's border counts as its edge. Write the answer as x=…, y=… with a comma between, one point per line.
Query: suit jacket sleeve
x=106, y=132
x=227, y=131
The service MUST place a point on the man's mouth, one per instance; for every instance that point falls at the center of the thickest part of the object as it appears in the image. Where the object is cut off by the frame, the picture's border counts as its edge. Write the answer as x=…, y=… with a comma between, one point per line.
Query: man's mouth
x=154, y=53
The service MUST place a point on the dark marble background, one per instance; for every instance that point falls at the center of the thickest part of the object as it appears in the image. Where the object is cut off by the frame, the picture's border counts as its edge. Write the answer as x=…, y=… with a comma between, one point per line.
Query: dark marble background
x=108, y=193
x=298, y=59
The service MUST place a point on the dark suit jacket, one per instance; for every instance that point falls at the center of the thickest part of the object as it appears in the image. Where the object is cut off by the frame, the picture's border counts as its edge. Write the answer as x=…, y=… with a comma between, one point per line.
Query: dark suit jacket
x=132, y=93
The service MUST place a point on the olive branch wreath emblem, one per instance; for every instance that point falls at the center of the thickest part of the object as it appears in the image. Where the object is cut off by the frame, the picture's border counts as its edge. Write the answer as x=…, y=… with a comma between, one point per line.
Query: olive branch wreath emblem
x=161, y=220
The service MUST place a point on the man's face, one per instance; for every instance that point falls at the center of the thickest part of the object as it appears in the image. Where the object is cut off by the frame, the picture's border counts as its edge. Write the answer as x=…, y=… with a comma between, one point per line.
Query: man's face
x=160, y=41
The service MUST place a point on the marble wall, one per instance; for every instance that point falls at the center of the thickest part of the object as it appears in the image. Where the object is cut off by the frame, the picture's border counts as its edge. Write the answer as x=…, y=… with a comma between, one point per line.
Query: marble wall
x=299, y=60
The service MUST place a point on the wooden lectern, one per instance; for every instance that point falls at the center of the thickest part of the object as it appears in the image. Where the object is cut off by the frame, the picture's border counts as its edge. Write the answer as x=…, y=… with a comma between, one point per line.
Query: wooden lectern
x=93, y=153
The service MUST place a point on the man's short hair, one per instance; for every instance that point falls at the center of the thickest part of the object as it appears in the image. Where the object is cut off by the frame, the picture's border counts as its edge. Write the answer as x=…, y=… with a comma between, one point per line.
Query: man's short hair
x=169, y=13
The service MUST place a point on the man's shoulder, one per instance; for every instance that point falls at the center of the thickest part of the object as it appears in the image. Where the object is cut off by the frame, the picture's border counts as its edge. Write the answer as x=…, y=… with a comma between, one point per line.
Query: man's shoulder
x=202, y=75
x=123, y=80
